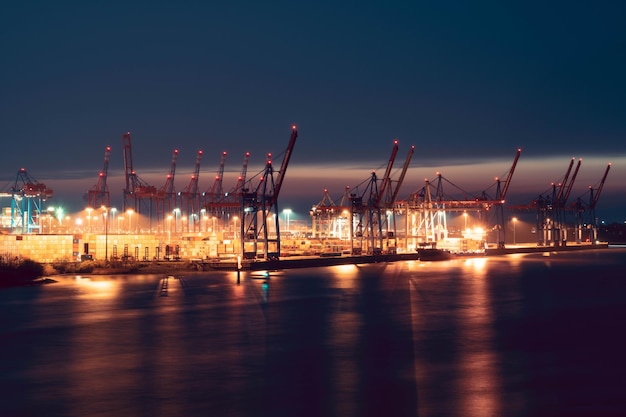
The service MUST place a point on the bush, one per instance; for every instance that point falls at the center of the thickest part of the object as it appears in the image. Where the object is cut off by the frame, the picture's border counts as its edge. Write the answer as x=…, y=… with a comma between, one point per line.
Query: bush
x=19, y=271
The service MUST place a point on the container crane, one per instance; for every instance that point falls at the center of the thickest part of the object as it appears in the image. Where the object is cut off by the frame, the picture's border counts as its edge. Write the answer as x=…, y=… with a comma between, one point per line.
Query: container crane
x=586, y=213
x=214, y=197
x=241, y=180
x=257, y=208
x=26, y=203
x=166, y=195
x=99, y=194
x=367, y=212
x=391, y=205
x=190, y=198
x=138, y=194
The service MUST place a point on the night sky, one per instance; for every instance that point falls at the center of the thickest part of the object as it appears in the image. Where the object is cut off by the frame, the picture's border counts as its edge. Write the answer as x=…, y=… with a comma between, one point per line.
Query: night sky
x=467, y=84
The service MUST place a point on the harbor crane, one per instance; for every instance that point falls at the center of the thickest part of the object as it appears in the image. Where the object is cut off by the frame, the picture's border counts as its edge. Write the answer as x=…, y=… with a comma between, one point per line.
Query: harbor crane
x=260, y=217
x=99, y=194
x=166, y=195
x=26, y=203
x=138, y=194
x=430, y=222
x=586, y=211
x=190, y=197
x=214, y=197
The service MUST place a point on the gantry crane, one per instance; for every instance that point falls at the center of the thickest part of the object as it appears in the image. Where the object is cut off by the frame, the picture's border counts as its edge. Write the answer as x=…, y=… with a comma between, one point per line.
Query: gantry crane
x=99, y=194
x=367, y=213
x=260, y=218
x=166, y=195
x=138, y=194
x=586, y=212
x=551, y=207
x=214, y=199
x=26, y=203
x=190, y=198
x=429, y=223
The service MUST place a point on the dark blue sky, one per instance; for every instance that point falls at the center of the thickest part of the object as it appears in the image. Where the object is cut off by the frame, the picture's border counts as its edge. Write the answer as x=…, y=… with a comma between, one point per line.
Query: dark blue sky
x=465, y=83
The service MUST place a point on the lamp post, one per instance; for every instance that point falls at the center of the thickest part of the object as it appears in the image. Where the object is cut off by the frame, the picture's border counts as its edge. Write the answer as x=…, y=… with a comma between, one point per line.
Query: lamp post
x=113, y=213
x=287, y=212
x=235, y=218
x=130, y=219
x=89, y=210
x=106, y=233
x=465, y=220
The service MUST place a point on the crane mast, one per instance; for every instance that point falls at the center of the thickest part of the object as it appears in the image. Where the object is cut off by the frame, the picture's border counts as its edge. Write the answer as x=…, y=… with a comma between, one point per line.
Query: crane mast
x=99, y=194
x=138, y=195
x=26, y=203
x=260, y=205
x=283, y=168
x=242, y=176
x=407, y=162
x=190, y=199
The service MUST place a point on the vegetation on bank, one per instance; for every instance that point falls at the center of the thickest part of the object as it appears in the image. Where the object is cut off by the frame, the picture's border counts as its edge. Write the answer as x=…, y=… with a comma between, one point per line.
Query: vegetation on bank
x=120, y=267
x=19, y=271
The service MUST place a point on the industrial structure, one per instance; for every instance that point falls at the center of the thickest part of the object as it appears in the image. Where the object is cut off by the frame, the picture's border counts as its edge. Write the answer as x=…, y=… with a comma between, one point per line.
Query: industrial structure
x=371, y=218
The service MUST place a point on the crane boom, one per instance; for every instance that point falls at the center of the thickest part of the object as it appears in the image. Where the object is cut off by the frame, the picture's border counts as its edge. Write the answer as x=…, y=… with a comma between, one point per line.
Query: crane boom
x=510, y=175
x=283, y=167
x=402, y=175
x=559, y=195
x=386, y=179
x=244, y=170
x=599, y=190
x=192, y=187
x=571, y=184
x=128, y=162
x=217, y=189
x=99, y=194
x=168, y=187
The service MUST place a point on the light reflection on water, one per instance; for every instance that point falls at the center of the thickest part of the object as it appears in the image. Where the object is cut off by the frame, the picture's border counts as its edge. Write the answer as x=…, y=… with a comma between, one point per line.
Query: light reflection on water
x=467, y=337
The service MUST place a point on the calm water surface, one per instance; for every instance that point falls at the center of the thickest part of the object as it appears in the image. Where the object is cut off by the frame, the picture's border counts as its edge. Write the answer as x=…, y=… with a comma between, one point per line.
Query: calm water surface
x=518, y=335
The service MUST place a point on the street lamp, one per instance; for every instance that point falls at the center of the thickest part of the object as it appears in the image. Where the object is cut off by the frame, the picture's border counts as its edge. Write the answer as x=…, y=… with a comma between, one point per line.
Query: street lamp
x=176, y=212
x=235, y=218
x=105, y=214
x=287, y=212
x=465, y=220
x=113, y=212
x=130, y=219
x=89, y=210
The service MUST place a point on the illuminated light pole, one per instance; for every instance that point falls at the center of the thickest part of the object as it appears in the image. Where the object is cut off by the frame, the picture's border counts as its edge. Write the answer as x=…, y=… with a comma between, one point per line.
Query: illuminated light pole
x=113, y=213
x=89, y=210
x=287, y=212
x=176, y=215
x=203, y=220
x=514, y=221
x=465, y=220
x=130, y=219
x=235, y=218
x=105, y=214
x=169, y=227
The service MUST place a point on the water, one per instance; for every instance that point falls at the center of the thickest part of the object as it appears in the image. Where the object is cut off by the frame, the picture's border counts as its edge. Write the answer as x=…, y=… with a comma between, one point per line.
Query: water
x=518, y=335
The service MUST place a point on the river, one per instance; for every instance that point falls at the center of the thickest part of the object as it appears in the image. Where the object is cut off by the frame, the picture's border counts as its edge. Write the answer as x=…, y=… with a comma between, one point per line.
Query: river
x=515, y=335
